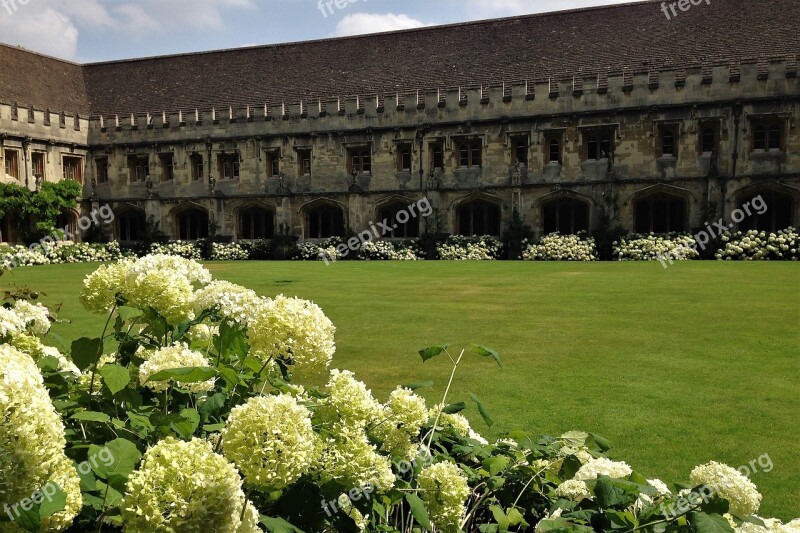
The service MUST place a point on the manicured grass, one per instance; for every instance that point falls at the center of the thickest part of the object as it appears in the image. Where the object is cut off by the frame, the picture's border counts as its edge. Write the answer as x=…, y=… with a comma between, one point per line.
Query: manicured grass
x=676, y=367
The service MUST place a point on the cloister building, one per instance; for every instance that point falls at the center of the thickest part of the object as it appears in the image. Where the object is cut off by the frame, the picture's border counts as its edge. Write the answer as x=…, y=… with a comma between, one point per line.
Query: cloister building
x=579, y=120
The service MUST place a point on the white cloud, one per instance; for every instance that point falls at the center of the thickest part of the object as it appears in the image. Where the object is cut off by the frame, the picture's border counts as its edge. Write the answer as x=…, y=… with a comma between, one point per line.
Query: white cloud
x=361, y=23
x=137, y=19
x=46, y=31
x=89, y=13
x=161, y=15
x=53, y=26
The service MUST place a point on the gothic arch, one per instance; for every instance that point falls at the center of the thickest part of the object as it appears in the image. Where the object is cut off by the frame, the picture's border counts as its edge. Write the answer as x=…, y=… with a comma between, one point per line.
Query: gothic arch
x=190, y=221
x=129, y=222
x=564, y=211
x=323, y=218
x=781, y=206
x=478, y=214
x=254, y=220
x=661, y=209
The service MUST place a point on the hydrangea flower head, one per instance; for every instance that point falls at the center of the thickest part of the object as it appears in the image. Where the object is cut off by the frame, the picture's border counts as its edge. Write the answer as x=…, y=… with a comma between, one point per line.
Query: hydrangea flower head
x=605, y=467
x=271, y=440
x=445, y=490
x=294, y=330
x=728, y=483
x=176, y=356
x=183, y=486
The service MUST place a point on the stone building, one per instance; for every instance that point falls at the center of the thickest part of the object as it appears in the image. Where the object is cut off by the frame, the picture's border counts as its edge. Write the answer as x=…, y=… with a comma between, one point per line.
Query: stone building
x=580, y=120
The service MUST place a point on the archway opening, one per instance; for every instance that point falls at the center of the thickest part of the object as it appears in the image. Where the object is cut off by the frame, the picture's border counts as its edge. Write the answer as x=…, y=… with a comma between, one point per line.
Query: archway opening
x=192, y=224
x=256, y=223
x=479, y=218
x=769, y=211
x=324, y=221
x=565, y=216
x=397, y=217
x=660, y=213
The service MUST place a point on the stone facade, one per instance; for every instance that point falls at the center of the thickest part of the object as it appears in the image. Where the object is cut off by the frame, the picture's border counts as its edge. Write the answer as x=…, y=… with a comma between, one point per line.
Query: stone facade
x=658, y=150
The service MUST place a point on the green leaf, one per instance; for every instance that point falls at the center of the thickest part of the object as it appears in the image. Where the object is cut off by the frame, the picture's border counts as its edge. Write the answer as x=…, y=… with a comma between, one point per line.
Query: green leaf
x=88, y=481
x=621, y=519
x=213, y=428
x=575, y=439
x=715, y=505
x=495, y=482
x=482, y=410
x=114, y=461
x=420, y=385
x=232, y=340
x=212, y=406
x=279, y=525
x=454, y=408
x=115, y=377
x=433, y=351
x=706, y=523
x=560, y=525
x=91, y=416
x=230, y=376
x=186, y=423
x=52, y=499
x=613, y=493
x=496, y=464
x=140, y=422
x=418, y=510
x=499, y=517
x=113, y=496
x=515, y=518
x=85, y=352
x=191, y=374
x=48, y=364
x=602, y=443
x=55, y=500
x=483, y=351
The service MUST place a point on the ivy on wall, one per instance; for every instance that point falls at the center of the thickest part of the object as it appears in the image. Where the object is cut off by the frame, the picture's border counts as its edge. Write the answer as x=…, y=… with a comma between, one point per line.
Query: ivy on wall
x=43, y=206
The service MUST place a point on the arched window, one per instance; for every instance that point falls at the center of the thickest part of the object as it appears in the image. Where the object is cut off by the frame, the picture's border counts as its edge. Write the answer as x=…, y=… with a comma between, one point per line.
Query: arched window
x=479, y=218
x=769, y=211
x=130, y=225
x=192, y=224
x=256, y=223
x=660, y=214
x=393, y=216
x=324, y=221
x=565, y=216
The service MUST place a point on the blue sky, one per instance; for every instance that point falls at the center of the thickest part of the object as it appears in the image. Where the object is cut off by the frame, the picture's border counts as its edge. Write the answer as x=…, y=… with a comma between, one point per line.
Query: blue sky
x=100, y=30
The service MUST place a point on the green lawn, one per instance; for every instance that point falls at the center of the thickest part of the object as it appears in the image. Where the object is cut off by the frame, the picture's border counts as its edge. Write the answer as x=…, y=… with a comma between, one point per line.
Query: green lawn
x=676, y=367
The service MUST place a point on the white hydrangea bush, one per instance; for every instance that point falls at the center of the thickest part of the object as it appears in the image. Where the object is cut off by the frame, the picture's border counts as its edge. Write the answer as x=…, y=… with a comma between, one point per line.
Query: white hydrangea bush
x=755, y=245
x=19, y=256
x=185, y=249
x=674, y=247
x=458, y=248
x=557, y=247
x=229, y=252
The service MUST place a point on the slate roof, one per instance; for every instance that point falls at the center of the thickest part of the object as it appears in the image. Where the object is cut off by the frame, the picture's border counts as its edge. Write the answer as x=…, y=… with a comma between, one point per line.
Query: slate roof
x=562, y=44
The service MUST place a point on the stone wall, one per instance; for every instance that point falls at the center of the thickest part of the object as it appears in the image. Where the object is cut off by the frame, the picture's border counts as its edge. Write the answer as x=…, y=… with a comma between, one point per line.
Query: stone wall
x=635, y=110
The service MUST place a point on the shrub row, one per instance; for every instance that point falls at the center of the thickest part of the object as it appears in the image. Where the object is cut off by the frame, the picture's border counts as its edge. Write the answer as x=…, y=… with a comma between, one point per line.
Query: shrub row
x=752, y=245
